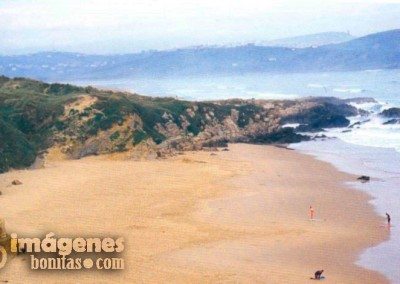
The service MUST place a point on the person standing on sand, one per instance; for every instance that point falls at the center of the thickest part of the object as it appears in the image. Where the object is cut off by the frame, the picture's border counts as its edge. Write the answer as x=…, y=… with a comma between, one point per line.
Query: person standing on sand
x=388, y=218
x=311, y=213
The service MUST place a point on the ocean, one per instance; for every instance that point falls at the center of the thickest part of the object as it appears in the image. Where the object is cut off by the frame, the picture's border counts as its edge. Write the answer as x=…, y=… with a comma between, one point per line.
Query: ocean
x=380, y=84
x=371, y=149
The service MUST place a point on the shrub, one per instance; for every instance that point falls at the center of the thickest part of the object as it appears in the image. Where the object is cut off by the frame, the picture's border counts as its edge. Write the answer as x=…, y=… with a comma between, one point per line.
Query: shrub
x=138, y=136
x=114, y=136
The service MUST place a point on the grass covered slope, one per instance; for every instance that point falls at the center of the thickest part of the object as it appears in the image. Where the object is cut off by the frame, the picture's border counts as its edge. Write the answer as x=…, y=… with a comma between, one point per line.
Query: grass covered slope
x=29, y=112
x=35, y=116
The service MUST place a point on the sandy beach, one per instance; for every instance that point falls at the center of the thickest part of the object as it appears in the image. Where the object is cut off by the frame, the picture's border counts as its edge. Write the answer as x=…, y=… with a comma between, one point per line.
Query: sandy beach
x=237, y=216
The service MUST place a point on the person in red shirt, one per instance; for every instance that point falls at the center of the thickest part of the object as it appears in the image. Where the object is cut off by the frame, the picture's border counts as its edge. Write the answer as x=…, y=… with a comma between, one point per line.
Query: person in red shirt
x=311, y=213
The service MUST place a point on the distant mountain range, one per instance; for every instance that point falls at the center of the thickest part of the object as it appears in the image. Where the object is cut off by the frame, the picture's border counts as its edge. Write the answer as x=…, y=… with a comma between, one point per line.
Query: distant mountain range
x=313, y=40
x=375, y=51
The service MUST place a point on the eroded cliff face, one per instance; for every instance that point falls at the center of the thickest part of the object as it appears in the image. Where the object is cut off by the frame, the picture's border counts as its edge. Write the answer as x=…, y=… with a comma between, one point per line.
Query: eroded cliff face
x=202, y=125
x=83, y=121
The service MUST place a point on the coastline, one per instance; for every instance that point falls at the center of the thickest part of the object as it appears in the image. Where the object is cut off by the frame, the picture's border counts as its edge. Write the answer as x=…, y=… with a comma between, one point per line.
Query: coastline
x=236, y=216
x=380, y=163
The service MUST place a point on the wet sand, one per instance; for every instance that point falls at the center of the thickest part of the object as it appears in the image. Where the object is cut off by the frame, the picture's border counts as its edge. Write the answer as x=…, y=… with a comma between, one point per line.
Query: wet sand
x=237, y=216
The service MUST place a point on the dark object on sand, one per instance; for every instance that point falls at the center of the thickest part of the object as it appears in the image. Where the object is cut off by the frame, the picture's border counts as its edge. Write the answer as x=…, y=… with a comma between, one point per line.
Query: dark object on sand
x=283, y=147
x=364, y=178
x=225, y=149
x=16, y=182
x=388, y=218
x=318, y=274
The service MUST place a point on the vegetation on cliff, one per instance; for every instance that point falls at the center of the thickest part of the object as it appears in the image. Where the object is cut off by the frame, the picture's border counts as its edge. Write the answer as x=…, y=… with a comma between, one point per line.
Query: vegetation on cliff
x=85, y=121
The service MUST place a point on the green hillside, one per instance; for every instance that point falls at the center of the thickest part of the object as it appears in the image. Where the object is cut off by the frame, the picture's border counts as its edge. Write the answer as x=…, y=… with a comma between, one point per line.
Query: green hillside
x=35, y=116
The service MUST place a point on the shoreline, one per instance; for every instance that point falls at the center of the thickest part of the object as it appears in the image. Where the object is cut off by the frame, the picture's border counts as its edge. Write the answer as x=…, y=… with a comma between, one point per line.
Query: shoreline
x=379, y=164
x=237, y=216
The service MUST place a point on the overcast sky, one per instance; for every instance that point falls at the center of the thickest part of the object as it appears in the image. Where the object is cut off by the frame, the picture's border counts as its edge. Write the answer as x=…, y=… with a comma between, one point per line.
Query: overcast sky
x=122, y=26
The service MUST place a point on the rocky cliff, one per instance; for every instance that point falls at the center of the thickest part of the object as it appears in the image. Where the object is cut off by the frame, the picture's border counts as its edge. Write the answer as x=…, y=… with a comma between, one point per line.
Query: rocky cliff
x=35, y=116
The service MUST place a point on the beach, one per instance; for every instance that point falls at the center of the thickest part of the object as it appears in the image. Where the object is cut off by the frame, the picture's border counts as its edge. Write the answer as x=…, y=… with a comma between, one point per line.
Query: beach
x=228, y=216
x=380, y=164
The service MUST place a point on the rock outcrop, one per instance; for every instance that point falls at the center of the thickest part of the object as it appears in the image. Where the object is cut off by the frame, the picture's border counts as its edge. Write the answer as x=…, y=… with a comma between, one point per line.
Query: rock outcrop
x=16, y=182
x=364, y=178
x=200, y=125
x=87, y=121
x=392, y=121
x=393, y=112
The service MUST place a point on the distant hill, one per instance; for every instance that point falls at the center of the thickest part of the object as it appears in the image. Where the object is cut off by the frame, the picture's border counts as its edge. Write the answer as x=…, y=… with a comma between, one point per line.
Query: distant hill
x=312, y=40
x=375, y=51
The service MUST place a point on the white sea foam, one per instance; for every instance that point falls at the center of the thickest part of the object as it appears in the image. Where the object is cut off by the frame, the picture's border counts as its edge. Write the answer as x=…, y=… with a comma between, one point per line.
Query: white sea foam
x=348, y=90
x=292, y=125
x=372, y=131
x=373, y=107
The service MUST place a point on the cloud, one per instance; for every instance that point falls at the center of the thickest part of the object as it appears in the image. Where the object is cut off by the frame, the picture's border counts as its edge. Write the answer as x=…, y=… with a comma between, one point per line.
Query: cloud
x=126, y=26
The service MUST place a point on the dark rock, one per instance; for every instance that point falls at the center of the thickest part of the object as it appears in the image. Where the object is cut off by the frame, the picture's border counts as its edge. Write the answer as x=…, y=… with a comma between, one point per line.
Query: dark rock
x=225, y=149
x=322, y=136
x=392, y=121
x=364, y=178
x=283, y=135
x=329, y=121
x=354, y=124
x=16, y=182
x=283, y=147
x=323, y=116
x=307, y=128
x=363, y=112
x=358, y=123
x=393, y=112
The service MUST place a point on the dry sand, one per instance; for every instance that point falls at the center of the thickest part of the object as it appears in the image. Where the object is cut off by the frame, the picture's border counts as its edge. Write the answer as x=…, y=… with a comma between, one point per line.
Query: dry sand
x=238, y=216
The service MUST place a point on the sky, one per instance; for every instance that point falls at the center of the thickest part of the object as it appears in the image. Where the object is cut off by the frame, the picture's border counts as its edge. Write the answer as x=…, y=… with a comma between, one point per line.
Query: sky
x=122, y=26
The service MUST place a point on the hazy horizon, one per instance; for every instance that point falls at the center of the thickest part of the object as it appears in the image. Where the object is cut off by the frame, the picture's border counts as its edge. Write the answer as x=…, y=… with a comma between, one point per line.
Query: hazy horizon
x=121, y=26
x=178, y=47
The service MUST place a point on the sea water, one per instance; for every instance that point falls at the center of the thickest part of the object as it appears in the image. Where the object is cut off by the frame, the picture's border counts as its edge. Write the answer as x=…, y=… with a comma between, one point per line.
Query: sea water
x=383, y=85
